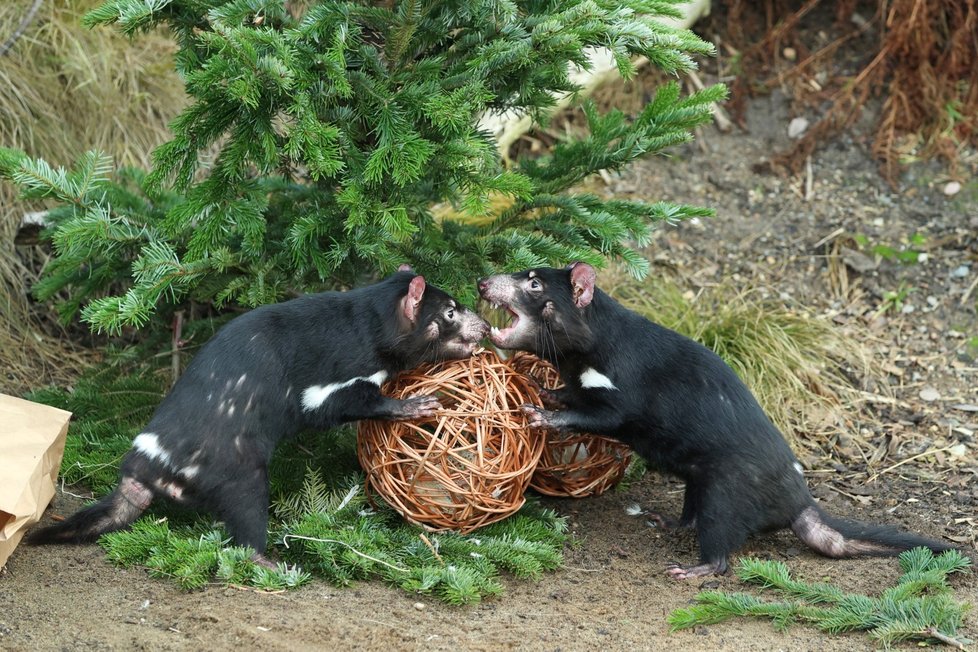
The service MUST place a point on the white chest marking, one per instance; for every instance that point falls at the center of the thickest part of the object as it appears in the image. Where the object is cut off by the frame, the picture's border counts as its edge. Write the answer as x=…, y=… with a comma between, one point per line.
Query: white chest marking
x=593, y=379
x=315, y=395
x=148, y=444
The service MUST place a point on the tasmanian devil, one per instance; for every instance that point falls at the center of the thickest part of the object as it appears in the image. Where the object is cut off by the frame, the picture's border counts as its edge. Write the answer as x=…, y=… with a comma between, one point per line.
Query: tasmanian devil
x=312, y=362
x=678, y=405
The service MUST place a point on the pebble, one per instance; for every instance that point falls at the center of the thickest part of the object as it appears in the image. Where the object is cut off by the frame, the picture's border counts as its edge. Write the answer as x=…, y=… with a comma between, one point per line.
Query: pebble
x=929, y=394
x=952, y=188
x=797, y=127
x=958, y=451
x=419, y=606
x=961, y=272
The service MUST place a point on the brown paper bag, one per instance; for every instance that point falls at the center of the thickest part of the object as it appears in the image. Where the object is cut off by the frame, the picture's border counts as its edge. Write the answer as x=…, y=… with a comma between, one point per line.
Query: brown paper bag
x=32, y=441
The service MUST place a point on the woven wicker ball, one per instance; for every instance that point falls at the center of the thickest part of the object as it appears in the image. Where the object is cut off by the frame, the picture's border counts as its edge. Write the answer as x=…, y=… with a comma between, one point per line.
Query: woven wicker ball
x=470, y=464
x=575, y=465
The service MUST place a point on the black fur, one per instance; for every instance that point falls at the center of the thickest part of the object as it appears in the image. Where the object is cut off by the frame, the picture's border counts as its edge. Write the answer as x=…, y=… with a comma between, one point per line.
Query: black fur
x=209, y=442
x=678, y=405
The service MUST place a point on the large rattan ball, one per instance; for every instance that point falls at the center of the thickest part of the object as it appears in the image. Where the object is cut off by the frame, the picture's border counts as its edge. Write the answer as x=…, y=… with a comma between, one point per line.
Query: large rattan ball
x=572, y=465
x=470, y=464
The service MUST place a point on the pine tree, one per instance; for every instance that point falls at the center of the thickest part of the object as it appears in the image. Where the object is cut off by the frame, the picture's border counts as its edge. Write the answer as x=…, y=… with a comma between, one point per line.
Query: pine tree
x=325, y=139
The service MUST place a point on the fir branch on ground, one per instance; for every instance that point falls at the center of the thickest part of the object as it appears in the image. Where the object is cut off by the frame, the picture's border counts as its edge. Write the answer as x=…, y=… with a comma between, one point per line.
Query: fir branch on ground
x=336, y=536
x=194, y=557
x=920, y=607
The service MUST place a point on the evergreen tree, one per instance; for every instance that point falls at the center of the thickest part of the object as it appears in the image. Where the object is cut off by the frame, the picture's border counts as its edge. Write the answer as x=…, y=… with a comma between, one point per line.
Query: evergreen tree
x=325, y=140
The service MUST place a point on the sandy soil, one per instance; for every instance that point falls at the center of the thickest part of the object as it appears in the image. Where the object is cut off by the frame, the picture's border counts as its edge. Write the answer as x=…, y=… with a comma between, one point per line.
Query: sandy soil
x=612, y=593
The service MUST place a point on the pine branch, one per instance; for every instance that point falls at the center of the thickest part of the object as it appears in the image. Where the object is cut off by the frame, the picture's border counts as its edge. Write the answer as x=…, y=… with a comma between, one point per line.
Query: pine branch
x=919, y=607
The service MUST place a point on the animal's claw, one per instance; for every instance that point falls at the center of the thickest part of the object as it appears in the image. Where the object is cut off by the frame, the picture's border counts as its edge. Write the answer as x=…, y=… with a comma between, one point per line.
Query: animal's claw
x=417, y=407
x=537, y=417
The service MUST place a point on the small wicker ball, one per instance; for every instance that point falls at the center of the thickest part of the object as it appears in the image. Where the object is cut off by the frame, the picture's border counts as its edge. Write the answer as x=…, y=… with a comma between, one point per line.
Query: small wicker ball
x=578, y=464
x=470, y=464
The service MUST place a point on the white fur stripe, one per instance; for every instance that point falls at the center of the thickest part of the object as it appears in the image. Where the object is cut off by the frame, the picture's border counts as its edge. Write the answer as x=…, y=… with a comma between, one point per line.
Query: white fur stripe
x=148, y=444
x=594, y=379
x=315, y=395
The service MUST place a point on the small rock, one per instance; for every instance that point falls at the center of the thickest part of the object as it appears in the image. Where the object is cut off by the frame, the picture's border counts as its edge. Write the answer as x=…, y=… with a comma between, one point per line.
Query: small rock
x=858, y=261
x=958, y=451
x=961, y=272
x=966, y=407
x=929, y=394
x=790, y=54
x=932, y=301
x=952, y=188
x=907, y=308
x=419, y=606
x=797, y=127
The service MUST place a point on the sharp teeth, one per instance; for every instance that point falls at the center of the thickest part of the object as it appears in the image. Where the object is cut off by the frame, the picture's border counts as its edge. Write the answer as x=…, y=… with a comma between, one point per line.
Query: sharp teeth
x=495, y=306
x=494, y=331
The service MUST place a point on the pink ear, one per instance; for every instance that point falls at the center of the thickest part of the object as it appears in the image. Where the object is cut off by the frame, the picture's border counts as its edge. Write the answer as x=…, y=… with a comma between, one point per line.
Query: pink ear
x=410, y=303
x=582, y=278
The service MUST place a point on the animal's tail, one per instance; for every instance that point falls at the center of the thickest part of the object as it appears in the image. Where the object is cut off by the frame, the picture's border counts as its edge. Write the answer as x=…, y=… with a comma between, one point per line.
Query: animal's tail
x=836, y=537
x=114, y=512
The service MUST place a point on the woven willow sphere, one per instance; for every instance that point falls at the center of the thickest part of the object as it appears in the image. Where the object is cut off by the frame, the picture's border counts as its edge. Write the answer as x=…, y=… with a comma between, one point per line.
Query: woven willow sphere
x=470, y=464
x=575, y=465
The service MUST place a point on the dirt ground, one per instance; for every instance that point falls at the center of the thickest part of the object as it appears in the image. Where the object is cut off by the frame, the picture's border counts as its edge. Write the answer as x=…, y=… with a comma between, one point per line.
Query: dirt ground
x=612, y=593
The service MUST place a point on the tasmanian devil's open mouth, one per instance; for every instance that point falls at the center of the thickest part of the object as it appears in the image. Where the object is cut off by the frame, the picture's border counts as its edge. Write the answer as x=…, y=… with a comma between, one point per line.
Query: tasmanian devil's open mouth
x=499, y=336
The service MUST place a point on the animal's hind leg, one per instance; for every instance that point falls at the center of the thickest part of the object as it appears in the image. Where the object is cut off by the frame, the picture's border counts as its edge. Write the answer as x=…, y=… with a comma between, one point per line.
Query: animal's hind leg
x=243, y=506
x=719, y=530
x=691, y=499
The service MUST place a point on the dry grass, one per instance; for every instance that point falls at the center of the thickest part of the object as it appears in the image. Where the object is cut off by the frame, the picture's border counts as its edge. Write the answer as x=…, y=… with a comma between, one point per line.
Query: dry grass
x=65, y=90
x=801, y=368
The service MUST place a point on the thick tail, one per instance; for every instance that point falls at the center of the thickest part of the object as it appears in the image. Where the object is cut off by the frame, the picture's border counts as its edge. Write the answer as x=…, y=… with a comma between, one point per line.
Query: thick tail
x=836, y=537
x=114, y=512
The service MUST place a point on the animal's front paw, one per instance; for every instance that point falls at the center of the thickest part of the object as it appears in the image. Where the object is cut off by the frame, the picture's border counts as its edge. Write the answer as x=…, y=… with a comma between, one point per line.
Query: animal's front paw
x=420, y=407
x=550, y=398
x=679, y=572
x=537, y=417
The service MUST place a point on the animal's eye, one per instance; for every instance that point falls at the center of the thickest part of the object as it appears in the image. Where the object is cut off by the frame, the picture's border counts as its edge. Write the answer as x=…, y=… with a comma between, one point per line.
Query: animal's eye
x=450, y=314
x=535, y=284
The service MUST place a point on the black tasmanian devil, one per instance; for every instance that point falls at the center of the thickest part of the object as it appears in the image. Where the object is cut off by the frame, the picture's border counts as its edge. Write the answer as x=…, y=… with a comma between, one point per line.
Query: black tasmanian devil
x=678, y=405
x=312, y=362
